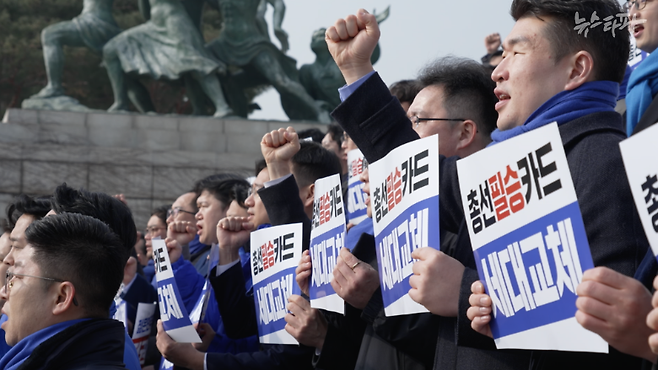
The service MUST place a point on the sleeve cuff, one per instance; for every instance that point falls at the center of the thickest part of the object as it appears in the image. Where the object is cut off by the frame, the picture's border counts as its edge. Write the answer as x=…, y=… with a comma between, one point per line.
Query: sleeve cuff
x=347, y=90
x=276, y=181
x=222, y=268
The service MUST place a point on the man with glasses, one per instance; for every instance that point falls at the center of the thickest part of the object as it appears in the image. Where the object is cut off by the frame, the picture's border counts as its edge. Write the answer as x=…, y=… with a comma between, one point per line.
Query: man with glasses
x=58, y=293
x=457, y=102
x=181, y=224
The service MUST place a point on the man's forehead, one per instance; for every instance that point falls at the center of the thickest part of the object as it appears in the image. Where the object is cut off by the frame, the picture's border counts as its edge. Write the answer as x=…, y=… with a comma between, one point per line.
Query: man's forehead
x=517, y=40
x=184, y=199
x=527, y=32
x=427, y=100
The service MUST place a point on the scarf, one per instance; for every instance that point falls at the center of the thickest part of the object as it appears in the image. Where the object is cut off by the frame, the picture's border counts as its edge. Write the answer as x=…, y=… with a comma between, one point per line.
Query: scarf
x=642, y=87
x=23, y=349
x=591, y=97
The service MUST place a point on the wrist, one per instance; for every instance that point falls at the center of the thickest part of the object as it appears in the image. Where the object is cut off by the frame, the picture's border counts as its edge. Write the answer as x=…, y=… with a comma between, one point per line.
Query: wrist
x=228, y=255
x=278, y=169
x=353, y=73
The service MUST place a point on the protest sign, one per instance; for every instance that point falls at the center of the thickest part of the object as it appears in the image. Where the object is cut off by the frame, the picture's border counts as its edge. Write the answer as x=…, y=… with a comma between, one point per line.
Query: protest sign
x=405, y=205
x=327, y=238
x=173, y=314
x=356, y=198
x=121, y=313
x=638, y=152
x=142, y=328
x=529, y=241
x=275, y=253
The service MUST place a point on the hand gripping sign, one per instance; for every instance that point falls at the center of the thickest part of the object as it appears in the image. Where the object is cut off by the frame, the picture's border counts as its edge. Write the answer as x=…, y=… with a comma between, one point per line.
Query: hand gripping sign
x=356, y=198
x=173, y=314
x=275, y=254
x=638, y=153
x=327, y=238
x=404, y=189
x=529, y=241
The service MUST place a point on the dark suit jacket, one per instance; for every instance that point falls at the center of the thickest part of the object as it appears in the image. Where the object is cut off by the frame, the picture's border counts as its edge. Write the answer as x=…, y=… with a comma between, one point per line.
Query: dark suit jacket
x=238, y=308
x=377, y=124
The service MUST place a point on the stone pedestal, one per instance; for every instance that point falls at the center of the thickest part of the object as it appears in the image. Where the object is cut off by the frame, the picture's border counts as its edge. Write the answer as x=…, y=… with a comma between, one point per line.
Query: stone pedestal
x=152, y=159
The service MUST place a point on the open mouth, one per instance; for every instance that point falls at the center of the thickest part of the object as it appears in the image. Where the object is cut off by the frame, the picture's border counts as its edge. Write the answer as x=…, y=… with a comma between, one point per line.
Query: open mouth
x=637, y=26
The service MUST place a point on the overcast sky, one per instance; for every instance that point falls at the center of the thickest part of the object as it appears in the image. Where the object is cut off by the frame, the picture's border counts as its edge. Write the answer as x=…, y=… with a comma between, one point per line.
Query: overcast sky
x=416, y=32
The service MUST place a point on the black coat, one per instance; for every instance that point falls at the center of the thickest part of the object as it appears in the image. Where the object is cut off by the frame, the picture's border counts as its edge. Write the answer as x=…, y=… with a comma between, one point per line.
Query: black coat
x=377, y=124
x=238, y=308
x=87, y=345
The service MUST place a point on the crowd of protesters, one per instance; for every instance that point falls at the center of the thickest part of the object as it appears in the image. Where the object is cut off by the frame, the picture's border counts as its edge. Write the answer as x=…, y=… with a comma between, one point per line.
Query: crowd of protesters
x=72, y=257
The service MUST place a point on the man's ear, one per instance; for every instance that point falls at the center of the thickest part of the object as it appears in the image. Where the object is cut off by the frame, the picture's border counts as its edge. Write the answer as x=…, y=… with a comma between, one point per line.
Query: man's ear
x=310, y=196
x=467, y=132
x=64, y=297
x=582, y=70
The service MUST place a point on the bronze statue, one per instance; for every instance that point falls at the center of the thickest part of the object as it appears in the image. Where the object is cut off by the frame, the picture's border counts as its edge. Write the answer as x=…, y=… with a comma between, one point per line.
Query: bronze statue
x=322, y=78
x=168, y=46
x=253, y=61
x=94, y=27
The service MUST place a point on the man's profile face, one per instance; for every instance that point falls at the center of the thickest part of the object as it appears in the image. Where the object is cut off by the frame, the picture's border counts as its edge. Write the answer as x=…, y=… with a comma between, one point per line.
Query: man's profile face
x=429, y=104
x=155, y=229
x=236, y=210
x=528, y=75
x=17, y=238
x=27, y=303
x=211, y=210
x=256, y=209
x=184, y=203
x=5, y=247
x=646, y=34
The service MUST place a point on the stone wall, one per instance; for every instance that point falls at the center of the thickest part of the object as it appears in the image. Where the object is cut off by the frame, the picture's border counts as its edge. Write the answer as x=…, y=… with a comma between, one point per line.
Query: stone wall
x=152, y=159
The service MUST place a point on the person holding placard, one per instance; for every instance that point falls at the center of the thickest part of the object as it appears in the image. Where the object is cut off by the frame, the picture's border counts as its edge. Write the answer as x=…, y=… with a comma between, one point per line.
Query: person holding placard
x=542, y=79
x=610, y=304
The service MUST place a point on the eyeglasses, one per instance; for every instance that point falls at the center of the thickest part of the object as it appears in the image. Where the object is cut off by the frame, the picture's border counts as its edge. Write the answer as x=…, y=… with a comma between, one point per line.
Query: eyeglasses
x=639, y=4
x=9, y=283
x=153, y=229
x=254, y=190
x=415, y=120
x=176, y=211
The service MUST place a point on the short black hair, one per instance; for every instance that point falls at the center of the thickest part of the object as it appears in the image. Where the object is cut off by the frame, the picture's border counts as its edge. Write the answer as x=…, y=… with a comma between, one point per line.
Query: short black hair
x=405, y=90
x=313, y=162
x=225, y=189
x=610, y=53
x=336, y=133
x=83, y=250
x=101, y=206
x=467, y=88
x=206, y=182
x=261, y=164
x=36, y=207
x=313, y=133
x=161, y=212
x=239, y=193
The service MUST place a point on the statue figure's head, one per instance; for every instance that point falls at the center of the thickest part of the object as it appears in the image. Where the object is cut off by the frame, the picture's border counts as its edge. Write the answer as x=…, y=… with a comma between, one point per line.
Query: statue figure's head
x=318, y=44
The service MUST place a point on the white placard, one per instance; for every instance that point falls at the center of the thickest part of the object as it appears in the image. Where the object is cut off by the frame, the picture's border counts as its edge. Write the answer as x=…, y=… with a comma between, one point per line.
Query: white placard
x=275, y=253
x=529, y=241
x=404, y=189
x=327, y=238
